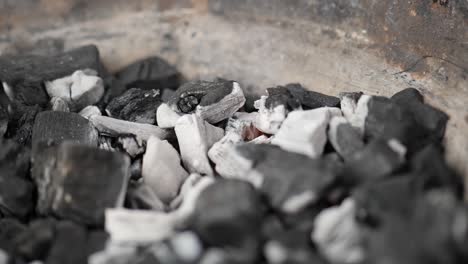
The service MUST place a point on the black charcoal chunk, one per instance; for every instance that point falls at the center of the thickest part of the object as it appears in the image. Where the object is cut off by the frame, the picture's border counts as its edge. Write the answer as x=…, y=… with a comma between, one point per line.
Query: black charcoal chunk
x=135, y=105
x=344, y=138
x=52, y=128
x=9, y=229
x=311, y=99
x=96, y=241
x=3, y=121
x=220, y=222
x=16, y=189
x=291, y=182
x=431, y=119
x=150, y=73
x=25, y=74
x=281, y=95
x=69, y=245
x=35, y=241
x=78, y=182
x=20, y=126
x=432, y=172
x=377, y=160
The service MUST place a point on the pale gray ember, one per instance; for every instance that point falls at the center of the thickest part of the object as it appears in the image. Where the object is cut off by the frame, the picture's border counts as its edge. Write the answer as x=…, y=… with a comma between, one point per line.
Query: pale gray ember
x=58, y=104
x=131, y=145
x=89, y=111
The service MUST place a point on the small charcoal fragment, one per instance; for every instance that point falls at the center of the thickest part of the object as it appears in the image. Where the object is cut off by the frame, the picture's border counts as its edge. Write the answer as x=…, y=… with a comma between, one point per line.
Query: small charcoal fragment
x=54, y=127
x=195, y=137
x=26, y=74
x=20, y=125
x=3, y=121
x=69, y=245
x=344, y=138
x=311, y=99
x=221, y=223
x=141, y=196
x=135, y=105
x=16, y=188
x=348, y=103
x=58, y=104
x=131, y=146
x=161, y=170
x=150, y=73
x=337, y=234
x=34, y=242
x=376, y=160
x=9, y=229
x=79, y=182
x=212, y=101
x=89, y=111
x=305, y=132
x=79, y=90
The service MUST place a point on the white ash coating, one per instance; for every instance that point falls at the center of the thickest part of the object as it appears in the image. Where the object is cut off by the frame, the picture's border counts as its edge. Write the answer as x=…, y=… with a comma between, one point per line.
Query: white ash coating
x=269, y=120
x=166, y=116
x=90, y=111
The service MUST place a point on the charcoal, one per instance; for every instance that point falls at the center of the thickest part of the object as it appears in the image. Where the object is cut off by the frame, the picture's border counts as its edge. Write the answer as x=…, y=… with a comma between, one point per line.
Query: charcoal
x=186, y=246
x=131, y=146
x=377, y=160
x=135, y=170
x=221, y=223
x=356, y=111
x=4, y=258
x=195, y=137
x=305, y=132
x=150, y=73
x=311, y=99
x=290, y=181
x=135, y=105
x=58, y=104
x=3, y=121
x=116, y=254
x=338, y=236
x=167, y=94
x=432, y=172
x=431, y=119
x=212, y=101
x=21, y=122
x=344, y=137
x=89, y=111
x=348, y=103
x=16, y=189
x=166, y=116
x=35, y=241
x=187, y=185
x=115, y=128
x=69, y=245
x=141, y=196
x=161, y=170
x=26, y=74
x=96, y=241
x=53, y=127
x=79, y=90
x=9, y=229
x=78, y=182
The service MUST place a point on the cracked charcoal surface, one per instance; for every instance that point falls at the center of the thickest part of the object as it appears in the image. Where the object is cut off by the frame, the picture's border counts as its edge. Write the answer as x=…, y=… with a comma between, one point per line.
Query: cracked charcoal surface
x=136, y=105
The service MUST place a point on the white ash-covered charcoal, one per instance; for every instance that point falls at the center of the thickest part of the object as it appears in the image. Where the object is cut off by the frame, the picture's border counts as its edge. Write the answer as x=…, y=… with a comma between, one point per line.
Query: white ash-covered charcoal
x=344, y=138
x=291, y=182
x=135, y=105
x=150, y=73
x=349, y=102
x=26, y=74
x=239, y=121
x=212, y=101
x=378, y=159
x=305, y=132
x=166, y=116
x=79, y=182
x=195, y=137
x=220, y=222
x=69, y=245
x=54, y=127
x=59, y=104
x=433, y=120
x=107, y=143
x=35, y=241
x=16, y=188
x=80, y=89
x=431, y=171
x=187, y=185
x=89, y=111
x=356, y=115
x=21, y=122
x=310, y=99
x=141, y=196
x=115, y=128
x=131, y=146
x=162, y=170
x=337, y=234
x=187, y=246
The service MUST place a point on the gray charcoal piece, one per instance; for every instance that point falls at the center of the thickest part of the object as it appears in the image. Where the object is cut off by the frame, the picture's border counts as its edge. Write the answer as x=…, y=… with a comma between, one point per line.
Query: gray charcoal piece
x=131, y=146
x=89, y=111
x=26, y=74
x=310, y=99
x=16, y=189
x=344, y=138
x=58, y=104
x=21, y=122
x=3, y=121
x=34, y=242
x=135, y=105
x=53, y=127
x=69, y=245
x=141, y=196
x=79, y=182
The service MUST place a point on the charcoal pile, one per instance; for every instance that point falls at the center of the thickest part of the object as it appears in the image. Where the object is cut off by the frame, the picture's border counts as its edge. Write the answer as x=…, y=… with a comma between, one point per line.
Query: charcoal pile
x=143, y=167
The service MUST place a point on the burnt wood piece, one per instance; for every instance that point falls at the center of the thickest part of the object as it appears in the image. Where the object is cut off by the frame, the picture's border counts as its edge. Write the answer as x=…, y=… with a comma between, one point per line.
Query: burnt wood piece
x=21, y=122
x=310, y=99
x=69, y=245
x=26, y=74
x=34, y=242
x=79, y=182
x=16, y=189
x=53, y=127
x=135, y=105
x=150, y=73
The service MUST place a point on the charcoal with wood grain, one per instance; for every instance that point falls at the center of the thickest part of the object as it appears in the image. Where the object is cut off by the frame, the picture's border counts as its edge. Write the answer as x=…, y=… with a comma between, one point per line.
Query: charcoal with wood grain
x=21, y=122
x=135, y=105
